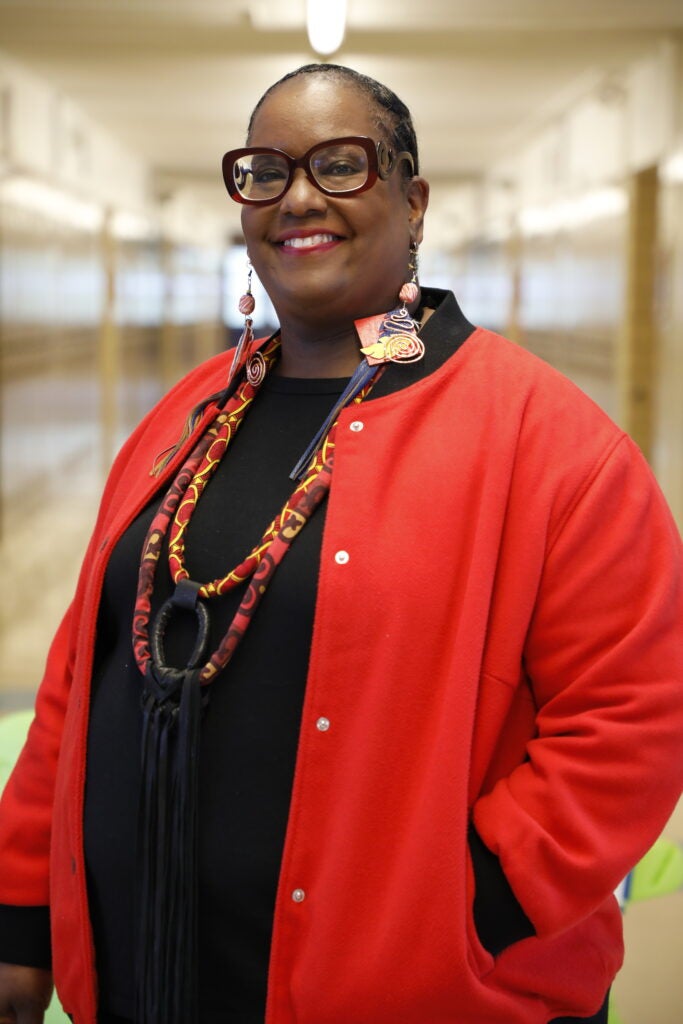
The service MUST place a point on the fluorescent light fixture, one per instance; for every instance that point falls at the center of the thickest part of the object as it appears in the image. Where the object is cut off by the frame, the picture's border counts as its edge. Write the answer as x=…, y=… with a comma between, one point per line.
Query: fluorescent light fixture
x=52, y=203
x=672, y=169
x=131, y=226
x=573, y=213
x=326, y=24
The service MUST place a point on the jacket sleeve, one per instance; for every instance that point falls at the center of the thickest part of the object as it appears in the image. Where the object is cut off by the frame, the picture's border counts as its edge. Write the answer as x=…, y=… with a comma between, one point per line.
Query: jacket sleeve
x=604, y=655
x=25, y=936
x=25, y=818
x=26, y=803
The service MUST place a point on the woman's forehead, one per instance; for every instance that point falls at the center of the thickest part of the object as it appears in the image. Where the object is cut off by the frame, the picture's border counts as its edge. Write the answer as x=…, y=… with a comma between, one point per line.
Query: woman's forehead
x=303, y=113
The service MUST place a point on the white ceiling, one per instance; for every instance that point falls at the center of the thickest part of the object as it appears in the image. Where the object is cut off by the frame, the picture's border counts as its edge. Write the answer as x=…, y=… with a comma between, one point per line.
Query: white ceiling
x=175, y=79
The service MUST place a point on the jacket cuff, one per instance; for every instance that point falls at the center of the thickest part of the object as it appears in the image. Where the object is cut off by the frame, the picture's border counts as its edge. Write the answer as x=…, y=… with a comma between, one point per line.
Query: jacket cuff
x=25, y=936
x=498, y=916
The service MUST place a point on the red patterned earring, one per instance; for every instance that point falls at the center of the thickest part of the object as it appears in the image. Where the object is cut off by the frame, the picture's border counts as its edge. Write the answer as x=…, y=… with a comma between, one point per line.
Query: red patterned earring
x=246, y=307
x=410, y=290
x=397, y=340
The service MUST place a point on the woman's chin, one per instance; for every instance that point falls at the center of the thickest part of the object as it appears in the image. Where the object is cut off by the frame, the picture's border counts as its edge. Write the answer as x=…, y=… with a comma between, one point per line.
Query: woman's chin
x=325, y=307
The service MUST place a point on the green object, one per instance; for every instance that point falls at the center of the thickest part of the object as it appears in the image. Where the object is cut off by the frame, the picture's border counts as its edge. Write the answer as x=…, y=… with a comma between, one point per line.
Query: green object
x=659, y=872
x=55, y=1014
x=13, y=729
x=613, y=1017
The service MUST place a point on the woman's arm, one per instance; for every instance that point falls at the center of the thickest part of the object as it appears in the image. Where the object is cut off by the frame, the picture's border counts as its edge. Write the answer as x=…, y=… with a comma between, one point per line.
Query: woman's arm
x=25, y=994
x=604, y=654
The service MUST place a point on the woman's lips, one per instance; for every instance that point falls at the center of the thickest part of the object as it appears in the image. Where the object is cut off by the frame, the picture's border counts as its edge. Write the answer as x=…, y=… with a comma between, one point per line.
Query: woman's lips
x=301, y=244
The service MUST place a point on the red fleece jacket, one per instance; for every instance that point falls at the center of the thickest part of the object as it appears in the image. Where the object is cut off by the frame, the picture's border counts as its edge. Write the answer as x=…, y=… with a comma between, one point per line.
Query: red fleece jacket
x=500, y=642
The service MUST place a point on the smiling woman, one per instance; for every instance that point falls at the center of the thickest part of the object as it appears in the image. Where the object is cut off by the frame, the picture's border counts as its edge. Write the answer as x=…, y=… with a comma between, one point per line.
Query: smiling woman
x=401, y=702
x=328, y=255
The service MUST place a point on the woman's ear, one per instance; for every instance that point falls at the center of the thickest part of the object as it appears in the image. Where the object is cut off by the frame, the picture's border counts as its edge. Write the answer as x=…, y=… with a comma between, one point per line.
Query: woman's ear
x=417, y=196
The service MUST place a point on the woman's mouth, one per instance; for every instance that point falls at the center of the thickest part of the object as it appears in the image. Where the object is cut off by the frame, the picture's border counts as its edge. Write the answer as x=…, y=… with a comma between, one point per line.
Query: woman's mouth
x=306, y=243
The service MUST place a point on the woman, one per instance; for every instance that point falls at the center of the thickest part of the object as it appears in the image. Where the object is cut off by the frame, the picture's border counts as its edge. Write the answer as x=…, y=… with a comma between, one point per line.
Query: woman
x=453, y=722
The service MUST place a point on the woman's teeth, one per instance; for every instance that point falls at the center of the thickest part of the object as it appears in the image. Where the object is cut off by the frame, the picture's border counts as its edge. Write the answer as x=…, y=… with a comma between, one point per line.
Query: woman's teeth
x=309, y=240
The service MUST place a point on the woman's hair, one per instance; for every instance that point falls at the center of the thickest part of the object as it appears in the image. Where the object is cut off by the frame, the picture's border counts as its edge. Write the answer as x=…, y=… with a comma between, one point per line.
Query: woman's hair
x=393, y=116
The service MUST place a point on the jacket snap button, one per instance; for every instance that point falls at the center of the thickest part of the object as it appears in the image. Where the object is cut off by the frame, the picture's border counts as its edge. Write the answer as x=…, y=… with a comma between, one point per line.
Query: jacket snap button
x=298, y=895
x=342, y=557
x=356, y=426
x=323, y=724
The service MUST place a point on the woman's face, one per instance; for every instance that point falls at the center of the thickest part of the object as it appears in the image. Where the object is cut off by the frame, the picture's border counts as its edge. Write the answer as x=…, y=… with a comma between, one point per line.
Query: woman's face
x=356, y=256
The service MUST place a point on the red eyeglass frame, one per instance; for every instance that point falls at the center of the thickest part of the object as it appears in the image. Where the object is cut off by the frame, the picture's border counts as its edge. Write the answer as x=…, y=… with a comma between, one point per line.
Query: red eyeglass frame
x=381, y=163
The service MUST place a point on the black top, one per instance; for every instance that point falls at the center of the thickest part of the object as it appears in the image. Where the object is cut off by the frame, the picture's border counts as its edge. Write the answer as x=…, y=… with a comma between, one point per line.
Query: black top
x=250, y=730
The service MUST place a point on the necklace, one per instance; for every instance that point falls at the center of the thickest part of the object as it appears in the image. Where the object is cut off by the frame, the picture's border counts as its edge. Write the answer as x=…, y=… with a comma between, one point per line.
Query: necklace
x=174, y=516
x=172, y=698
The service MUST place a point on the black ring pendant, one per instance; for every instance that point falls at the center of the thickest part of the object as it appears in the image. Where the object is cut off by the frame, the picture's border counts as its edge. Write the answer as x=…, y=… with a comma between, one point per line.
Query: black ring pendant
x=185, y=597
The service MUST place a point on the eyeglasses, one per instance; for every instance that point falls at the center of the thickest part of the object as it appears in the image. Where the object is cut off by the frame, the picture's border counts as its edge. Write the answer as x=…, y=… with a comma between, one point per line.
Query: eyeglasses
x=340, y=167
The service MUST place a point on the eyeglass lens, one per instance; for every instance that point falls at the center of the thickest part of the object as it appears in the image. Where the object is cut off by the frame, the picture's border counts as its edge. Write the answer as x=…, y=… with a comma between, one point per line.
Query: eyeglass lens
x=336, y=168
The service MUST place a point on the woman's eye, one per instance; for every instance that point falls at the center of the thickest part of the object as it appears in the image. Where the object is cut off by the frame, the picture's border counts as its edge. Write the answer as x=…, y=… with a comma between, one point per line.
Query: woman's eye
x=264, y=175
x=340, y=168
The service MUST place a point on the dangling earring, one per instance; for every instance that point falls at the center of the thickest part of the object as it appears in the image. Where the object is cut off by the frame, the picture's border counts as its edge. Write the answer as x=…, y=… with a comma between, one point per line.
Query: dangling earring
x=246, y=307
x=410, y=290
x=397, y=340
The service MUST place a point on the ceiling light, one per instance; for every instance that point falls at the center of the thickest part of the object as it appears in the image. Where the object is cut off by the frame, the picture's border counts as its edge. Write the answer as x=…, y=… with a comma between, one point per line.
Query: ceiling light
x=51, y=202
x=568, y=214
x=130, y=226
x=326, y=24
x=672, y=169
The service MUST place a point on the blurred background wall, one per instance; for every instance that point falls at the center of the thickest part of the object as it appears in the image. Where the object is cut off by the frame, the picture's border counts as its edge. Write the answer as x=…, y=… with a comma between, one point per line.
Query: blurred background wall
x=552, y=135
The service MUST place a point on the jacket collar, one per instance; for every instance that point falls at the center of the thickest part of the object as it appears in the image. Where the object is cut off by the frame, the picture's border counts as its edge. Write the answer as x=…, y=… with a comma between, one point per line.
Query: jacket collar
x=443, y=334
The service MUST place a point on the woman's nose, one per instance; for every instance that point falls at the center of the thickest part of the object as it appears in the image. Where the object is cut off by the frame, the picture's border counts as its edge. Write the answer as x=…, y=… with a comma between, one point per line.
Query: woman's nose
x=302, y=196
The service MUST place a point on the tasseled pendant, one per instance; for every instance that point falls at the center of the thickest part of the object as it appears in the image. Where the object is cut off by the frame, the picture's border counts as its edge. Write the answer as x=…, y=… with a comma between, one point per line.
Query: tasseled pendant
x=245, y=339
x=167, y=986
x=246, y=306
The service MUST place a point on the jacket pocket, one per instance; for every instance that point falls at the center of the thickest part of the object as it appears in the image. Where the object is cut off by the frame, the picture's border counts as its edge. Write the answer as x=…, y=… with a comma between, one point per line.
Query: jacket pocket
x=481, y=961
x=497, y=916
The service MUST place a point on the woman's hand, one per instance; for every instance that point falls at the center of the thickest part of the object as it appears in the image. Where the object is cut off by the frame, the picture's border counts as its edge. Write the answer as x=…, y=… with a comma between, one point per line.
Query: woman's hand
x=25, y=994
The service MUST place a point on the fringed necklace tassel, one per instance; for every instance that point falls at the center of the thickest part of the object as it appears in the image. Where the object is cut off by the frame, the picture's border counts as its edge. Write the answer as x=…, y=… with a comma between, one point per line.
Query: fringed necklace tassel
x=167, y=967
x=173, y=699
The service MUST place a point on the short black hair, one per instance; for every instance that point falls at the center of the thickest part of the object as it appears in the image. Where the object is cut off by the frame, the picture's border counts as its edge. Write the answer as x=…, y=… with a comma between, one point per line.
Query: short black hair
x=397, y=126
